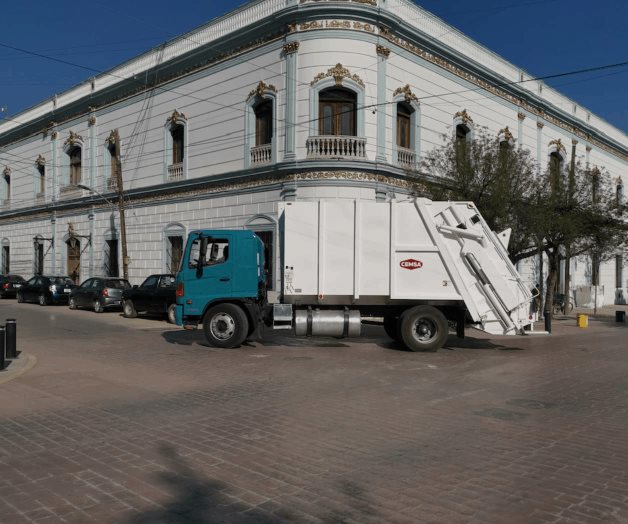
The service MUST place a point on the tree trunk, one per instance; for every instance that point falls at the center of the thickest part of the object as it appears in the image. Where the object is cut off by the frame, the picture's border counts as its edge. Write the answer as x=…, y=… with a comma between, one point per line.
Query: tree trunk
x=553, y=261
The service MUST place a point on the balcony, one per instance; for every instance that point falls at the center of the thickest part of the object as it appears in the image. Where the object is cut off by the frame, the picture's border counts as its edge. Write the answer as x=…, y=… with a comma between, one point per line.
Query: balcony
x=406, y=158
x=336, y=146
x=175, y=171
x=261, y=155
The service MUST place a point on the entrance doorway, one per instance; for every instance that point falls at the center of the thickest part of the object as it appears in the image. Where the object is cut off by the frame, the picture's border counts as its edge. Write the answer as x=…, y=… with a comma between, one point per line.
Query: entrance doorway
x=74, y=259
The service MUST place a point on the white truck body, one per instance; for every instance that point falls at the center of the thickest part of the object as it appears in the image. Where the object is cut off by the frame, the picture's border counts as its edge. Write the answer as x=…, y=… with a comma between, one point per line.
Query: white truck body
x=356, y=253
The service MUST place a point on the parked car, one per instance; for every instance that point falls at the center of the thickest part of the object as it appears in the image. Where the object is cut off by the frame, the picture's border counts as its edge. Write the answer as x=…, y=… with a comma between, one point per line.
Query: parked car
x=99, y=293
x=9, y=284
x=46, y=290
x=157, y=294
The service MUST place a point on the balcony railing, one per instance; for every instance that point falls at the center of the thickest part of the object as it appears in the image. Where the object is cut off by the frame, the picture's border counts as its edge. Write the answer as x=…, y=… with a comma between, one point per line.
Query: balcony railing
x=336, y=146
x=406, y=158
x=175, y=171
x=261, y=155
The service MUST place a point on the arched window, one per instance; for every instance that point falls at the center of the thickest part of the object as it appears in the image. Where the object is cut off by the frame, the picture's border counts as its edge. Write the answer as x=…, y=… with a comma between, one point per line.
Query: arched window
x=176, y=145
x=6, y=256
x=40, y=176
x=174, y=235
x=6, y=185
x=75, y=155
x=404, y=125
x=337, y=112
x=112, y=162
x=263, y=122
x=556, y=163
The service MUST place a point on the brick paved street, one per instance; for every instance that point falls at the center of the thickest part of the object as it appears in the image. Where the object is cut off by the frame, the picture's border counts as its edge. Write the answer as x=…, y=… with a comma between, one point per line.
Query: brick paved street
x=135, y=421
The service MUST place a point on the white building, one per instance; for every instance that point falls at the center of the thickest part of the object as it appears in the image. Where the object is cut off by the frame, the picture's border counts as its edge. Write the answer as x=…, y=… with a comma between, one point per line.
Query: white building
x=280, y=99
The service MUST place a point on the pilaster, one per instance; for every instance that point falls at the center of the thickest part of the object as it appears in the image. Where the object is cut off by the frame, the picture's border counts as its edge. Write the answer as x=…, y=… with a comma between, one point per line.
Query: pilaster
x=291, y=51
x=382, y=57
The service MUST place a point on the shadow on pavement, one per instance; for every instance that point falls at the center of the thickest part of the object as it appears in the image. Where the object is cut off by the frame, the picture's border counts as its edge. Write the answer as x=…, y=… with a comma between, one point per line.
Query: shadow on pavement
x=195, y=499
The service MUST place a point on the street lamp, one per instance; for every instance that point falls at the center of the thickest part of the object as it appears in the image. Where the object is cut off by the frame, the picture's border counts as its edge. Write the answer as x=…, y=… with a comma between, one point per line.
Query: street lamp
x=125, y=258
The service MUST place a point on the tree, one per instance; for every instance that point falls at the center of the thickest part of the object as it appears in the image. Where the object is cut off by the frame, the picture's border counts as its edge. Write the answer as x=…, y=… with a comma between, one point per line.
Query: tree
x=494, y=174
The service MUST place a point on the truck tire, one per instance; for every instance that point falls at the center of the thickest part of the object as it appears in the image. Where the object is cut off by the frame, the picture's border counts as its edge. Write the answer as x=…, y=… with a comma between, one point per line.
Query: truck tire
x=225, y=326
x=423, y=328
x=391, y=327
x=172, y=315
x=128, y=309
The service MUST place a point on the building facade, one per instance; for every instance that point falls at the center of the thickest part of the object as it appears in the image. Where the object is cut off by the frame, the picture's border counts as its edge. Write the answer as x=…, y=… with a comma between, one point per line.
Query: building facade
x=278, y=100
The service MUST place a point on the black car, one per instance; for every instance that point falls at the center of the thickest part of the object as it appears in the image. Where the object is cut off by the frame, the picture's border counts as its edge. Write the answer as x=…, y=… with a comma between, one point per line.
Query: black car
x=99, y=293
x=9, y=284
x=46, y=290
x=157, y=294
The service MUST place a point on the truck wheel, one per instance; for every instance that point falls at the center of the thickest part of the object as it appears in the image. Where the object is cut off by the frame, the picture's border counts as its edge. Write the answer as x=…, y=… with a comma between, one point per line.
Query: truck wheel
x=424, y=328
x=225, y=326
x=128, y=309
x=391, y=327
x=172, y=315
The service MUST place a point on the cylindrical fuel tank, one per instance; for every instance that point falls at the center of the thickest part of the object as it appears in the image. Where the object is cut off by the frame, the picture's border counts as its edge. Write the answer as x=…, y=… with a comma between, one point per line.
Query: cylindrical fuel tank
x=327, y=323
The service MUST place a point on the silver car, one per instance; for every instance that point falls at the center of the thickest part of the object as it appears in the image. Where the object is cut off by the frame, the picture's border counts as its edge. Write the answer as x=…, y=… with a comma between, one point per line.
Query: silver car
x=99, y=293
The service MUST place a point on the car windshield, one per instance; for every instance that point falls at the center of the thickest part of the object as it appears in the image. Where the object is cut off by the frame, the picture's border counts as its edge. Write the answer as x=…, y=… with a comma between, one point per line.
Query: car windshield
x=117, y=284
x=61, y=281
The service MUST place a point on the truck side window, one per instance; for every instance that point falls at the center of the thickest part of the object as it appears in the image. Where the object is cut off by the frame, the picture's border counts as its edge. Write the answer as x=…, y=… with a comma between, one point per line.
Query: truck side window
x=217, y=252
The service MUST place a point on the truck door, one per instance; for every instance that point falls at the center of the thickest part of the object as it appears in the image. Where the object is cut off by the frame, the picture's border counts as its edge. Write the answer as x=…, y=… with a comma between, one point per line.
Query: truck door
x=214, y=282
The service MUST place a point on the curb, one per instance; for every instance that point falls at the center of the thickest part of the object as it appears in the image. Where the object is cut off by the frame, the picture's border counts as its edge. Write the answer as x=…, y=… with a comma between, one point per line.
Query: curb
x=18, y=367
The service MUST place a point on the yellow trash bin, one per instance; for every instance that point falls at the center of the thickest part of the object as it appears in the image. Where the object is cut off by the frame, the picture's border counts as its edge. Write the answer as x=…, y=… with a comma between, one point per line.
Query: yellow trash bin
x=583, y=320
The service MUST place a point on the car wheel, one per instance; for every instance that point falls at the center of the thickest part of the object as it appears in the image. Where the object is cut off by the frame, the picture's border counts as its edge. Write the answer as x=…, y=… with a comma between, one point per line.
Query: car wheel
x=128, y=309
x=43, y=301
x=225, y=326
x=98, y=307
x=423, y=328
x=20, y=298
x=172, y=313
x=72, y=303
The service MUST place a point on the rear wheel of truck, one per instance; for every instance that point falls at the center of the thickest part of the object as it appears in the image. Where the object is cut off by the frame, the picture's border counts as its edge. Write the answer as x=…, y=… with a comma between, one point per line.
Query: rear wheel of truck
x=225, y=326
x=424, y=328
x=391, y=327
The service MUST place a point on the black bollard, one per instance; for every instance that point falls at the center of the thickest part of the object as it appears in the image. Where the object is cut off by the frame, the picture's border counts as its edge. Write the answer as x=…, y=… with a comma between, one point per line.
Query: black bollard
x=11, y=332
x=2, y=362
x=547, y=315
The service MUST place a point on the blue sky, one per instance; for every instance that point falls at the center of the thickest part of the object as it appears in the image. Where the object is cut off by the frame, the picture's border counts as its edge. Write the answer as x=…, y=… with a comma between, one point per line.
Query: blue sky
x=541, y=36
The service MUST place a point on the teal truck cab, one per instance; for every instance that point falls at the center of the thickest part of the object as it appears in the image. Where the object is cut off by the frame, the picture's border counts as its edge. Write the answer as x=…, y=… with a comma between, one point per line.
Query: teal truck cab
x=221, y=284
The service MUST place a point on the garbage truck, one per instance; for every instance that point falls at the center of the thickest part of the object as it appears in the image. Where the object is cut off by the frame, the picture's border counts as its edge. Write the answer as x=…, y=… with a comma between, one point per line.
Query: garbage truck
x=422, y=266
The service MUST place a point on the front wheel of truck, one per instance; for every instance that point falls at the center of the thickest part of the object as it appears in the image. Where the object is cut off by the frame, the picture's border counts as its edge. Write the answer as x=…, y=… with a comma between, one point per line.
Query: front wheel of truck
x=225, y=326
x=424, y=328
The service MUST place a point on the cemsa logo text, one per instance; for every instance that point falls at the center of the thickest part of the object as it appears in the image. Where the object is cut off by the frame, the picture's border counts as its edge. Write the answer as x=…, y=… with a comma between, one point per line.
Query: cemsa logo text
x=411, y=263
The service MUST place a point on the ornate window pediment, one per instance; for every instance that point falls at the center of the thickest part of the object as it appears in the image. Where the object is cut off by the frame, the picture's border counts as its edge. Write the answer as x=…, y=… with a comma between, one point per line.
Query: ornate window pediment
x=407, y=93
x=338, y=73
x=261, y=88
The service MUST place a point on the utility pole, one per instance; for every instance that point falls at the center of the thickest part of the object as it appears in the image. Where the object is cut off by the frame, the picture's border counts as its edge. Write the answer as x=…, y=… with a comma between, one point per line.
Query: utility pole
x=120, y=189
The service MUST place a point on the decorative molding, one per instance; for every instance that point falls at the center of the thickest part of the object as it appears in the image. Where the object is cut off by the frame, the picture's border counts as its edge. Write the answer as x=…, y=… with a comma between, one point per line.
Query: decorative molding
x=521, y=116
x=332, y=24
x=261, y=89
x=291, y=47
x=464, y=116
x=339, y=73
x=73, y=139
x=409, y=96
x=558, y=144
x=91, y=120
x=589, y=148
x=111, y=139
x=574, y=142
x=506, y=134
x=40, y=161
x=540, y=124
x=382, y=51
x=369, y=2
x=6, y=172
x=176, y=117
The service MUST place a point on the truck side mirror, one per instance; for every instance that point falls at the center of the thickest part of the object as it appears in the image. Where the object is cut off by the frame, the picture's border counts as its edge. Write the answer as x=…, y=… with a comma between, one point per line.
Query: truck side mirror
x=202, y=255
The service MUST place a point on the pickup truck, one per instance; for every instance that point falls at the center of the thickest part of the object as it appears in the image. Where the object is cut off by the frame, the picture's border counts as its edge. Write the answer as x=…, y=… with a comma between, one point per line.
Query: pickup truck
x=155, y=295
